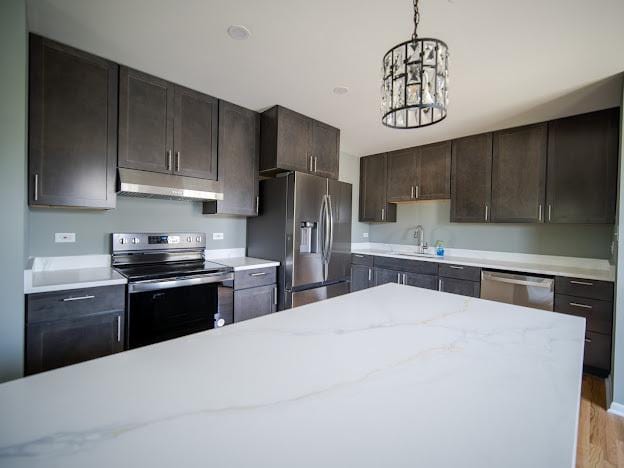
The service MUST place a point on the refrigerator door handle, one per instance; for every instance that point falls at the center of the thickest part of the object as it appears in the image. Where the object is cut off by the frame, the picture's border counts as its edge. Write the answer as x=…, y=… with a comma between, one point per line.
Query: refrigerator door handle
x=323, y=233
x=330, y=217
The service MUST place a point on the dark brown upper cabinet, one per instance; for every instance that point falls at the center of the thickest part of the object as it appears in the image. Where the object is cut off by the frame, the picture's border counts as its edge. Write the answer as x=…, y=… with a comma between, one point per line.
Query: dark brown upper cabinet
x=239, y=146
x=435, y=171
x=72, y=127
x=519, y=174
x=293, y=142
x=374, y=206
x=166, y=128
x=582, y=168
x=471, y=177
x=403, y=175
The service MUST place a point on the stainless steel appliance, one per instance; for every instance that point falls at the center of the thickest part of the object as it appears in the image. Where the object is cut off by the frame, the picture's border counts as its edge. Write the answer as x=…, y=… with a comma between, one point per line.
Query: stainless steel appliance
x=172, y=290
x=530, y=291
x=305, y=224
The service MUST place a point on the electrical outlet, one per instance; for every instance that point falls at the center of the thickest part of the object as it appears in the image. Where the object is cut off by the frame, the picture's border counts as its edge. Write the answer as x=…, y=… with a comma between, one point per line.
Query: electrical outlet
x=365, y=234
x=217, y=236
x=64, y=237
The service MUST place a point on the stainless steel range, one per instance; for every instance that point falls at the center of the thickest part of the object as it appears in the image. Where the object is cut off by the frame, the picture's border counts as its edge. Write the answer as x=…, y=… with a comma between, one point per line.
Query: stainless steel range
x=172, y=289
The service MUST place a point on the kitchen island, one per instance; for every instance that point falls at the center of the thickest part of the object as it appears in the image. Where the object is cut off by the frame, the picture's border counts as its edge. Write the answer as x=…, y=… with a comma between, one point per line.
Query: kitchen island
x=391, y=376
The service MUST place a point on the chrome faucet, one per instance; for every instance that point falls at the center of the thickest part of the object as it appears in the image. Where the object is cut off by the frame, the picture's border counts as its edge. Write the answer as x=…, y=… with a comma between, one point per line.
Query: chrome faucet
x=419, y=235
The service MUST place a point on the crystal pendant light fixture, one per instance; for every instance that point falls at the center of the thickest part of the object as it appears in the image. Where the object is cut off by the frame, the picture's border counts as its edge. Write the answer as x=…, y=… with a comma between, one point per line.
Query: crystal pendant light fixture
x=414, y=89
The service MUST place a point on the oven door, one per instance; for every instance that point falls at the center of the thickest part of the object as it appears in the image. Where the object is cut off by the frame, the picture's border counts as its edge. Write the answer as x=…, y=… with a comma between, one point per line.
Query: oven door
x=166, y=309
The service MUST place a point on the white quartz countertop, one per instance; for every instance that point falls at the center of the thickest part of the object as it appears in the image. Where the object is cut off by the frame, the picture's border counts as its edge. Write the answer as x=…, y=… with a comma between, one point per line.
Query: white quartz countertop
x=391, y=376
x=537, y=266
x=59, y=280
x=245, y=263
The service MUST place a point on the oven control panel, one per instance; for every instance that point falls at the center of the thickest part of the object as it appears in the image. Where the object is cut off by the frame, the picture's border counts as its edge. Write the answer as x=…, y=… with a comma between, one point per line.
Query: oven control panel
x=124, y=242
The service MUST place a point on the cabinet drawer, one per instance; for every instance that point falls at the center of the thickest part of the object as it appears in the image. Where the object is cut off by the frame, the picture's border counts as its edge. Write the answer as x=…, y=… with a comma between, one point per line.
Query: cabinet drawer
x=256, y=277
x=584, y=288
x=460, y=272
x=45, y=307
x=361, y=259
x=597, y=354
x=413, y=266
x=599, y=314
x=421, y=281
x=460, y=286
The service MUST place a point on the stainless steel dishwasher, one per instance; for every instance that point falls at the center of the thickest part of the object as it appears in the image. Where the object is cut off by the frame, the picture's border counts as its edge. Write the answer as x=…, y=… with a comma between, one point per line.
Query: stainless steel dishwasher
x=524, y=290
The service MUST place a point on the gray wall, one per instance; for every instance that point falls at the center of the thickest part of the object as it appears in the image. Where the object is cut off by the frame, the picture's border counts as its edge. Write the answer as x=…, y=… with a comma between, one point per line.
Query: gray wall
x=93, y=227
x=13, y=40
x=547, y=239
x=350, y=172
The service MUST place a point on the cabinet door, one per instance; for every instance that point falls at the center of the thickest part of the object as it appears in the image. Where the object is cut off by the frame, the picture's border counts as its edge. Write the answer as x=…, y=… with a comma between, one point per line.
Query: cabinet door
x=293, y=140
x=361, y=277
x=471, y=177
x=63, y=342
x=403, y=175
x=325, y=149
x=435, y=171
x=195, y=133
x=383, y=276
x=597, y=355
x=72, y=127
x=239, y=139
x=254, y=302
x=373, y=178
x=459, y=286
x=145, y=122
x=421, y=281
x=582, y=168
x=519, y=174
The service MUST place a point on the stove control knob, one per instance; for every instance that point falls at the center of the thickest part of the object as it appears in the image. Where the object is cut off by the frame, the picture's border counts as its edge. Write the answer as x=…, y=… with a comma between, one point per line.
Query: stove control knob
x=189, y=239
x=136, y=240
x=198, y=239
x=220, y=322
x=123, y=240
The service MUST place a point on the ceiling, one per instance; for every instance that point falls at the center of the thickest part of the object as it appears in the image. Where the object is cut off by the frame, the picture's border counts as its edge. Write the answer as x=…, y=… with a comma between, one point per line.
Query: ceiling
x=512, y=62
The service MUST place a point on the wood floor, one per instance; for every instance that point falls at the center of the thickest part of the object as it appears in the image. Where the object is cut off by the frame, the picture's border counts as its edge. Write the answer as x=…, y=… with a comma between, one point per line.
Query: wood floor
x=601, y=435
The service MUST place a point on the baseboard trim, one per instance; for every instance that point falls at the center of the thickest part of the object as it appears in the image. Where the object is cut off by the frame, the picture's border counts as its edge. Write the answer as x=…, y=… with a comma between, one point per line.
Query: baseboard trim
x=616, y=408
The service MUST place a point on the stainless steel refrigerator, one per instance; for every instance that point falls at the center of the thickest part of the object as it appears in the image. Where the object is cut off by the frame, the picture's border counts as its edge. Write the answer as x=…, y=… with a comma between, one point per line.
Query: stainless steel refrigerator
x=304, y=223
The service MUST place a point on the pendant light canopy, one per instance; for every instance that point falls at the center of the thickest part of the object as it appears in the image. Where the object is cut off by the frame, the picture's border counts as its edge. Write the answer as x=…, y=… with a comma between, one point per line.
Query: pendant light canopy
x=414, y=91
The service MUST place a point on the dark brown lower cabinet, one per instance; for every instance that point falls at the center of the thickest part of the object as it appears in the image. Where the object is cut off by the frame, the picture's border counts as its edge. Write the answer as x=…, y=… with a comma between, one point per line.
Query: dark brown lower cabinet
x=597, y=355
x=384, y=276
x=254, y=302
x=361, y=277
x=420, y=281
x=459, y=286
x=69, y=341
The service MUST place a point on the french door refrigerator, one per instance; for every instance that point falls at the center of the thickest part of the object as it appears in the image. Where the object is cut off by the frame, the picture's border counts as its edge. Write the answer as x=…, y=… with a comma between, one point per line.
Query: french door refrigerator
x=304, y=223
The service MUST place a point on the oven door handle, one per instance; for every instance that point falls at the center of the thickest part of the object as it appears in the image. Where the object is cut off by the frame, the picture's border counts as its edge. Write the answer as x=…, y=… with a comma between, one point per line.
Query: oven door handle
x=155, y=285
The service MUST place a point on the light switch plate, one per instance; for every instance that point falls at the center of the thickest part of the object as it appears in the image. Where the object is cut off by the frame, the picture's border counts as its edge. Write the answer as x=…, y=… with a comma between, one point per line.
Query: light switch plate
x=217, y=236
x=365, y=234
x=64, y=237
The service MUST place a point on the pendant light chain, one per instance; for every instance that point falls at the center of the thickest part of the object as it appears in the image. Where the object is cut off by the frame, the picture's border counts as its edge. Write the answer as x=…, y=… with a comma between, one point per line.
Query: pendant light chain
x=416, y=20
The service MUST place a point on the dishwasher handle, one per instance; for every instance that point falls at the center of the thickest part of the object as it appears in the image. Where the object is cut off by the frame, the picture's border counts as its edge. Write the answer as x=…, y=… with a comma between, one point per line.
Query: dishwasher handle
x=532, y=281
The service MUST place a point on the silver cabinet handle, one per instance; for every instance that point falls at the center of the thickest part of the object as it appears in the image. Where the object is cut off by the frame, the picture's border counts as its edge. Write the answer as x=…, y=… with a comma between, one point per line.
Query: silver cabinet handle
x=582, y=306
x=418, y=191
x=413, y=193
x=36, y=187
x=582, y=283
x=257, y=205
x=168, y=160
x=370, y=274
x=549, y=211
x=456, y=267
x=178, y=157
x=399, y=278
x=440, y=284
x=261, y=273
x=404, y=278
x=119, y=329
x=315, y=162
x=310, y=164
x=383, y=214
x=587, y=340
x=79, y=298
x=358, y=255
x=539, y=212
x=486, y=211
x=275, y=295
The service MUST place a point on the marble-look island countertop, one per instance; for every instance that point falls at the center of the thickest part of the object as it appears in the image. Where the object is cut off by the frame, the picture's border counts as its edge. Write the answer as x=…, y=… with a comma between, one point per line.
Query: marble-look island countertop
x=392, y=376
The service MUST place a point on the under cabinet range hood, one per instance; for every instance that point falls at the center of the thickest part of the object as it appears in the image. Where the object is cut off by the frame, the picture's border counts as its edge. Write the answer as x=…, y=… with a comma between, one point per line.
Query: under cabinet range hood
x=173, y=187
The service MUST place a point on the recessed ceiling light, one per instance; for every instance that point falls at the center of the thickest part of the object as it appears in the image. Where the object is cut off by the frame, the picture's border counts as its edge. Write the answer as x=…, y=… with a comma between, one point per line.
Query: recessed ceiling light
x=341, y=90
x=238, y=32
